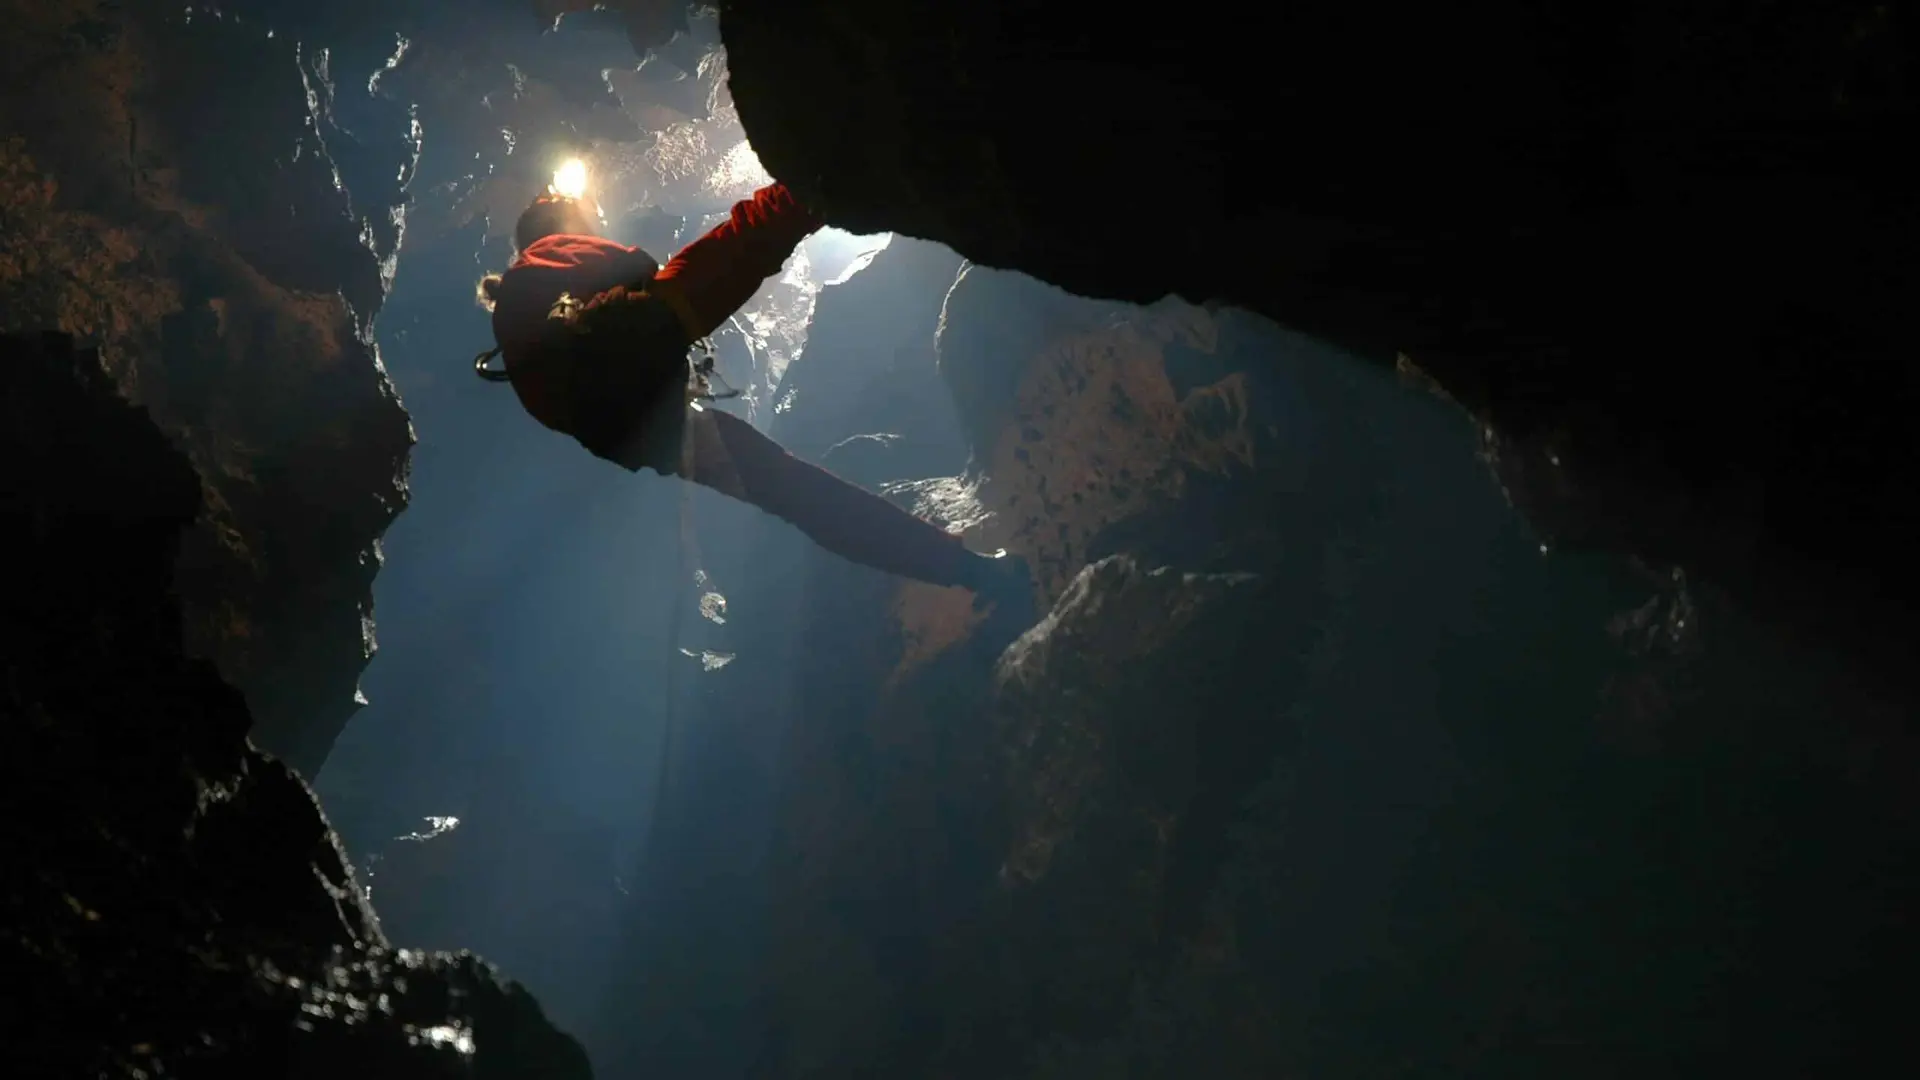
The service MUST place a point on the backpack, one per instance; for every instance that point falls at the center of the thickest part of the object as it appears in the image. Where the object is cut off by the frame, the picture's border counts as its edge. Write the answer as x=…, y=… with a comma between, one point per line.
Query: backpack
x=597, y=368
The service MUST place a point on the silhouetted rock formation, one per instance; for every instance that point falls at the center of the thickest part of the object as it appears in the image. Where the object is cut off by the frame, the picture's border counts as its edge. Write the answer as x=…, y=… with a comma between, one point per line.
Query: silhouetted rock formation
x=178, y=190
x=1318, y=766
x=176, y=903
x=1664, y=252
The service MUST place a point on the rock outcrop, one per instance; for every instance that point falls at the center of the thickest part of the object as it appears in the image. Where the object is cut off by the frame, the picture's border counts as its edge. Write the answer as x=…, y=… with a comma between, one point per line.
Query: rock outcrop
x=177, y=191
x=1662, y=253
x=1094, y=421
x=928, y=797
x=177, y=903
x=1288, y=780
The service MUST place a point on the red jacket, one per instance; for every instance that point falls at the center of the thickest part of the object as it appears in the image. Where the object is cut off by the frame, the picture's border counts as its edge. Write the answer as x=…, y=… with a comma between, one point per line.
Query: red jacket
x=552, y=265
x=701, y=287
x=704, y=284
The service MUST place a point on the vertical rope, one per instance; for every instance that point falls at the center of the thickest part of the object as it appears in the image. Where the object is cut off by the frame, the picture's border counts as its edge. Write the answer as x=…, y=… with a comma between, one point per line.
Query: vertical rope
x=688, y=552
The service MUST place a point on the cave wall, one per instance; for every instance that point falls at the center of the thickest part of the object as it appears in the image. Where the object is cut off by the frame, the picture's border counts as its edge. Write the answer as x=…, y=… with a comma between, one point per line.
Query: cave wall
x=1028, y=868
x=179, y=904
x=1661, y=252
x=1313, y=809
x=853, y=701
x=1149, y=699
x=175, y=193
x=1317, y=765
x=1094, y=421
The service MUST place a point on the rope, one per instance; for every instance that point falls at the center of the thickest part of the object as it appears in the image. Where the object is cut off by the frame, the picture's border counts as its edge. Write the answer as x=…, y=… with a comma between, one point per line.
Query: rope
x=688, y=545
x=701, y=377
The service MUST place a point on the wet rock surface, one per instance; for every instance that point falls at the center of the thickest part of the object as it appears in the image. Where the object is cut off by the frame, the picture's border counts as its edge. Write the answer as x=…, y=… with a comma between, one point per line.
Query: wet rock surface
x=185, y=191
x=178, y=904
x=1662, y=253
x=1318, y=765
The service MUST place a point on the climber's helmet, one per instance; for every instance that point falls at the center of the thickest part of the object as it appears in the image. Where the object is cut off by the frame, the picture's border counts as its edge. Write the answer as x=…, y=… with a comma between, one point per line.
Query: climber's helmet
x=551, y=215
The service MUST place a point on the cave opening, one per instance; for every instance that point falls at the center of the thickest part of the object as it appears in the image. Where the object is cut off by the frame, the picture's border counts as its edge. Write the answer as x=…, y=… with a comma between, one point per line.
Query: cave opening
x=527, y=599
x=1346, y=727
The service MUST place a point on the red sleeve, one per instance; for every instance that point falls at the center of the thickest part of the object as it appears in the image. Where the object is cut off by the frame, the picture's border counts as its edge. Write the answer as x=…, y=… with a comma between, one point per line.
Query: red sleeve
x=721, y=271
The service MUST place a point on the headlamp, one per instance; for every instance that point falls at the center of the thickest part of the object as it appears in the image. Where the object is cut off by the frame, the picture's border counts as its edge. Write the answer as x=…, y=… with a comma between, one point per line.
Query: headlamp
x=570, y=180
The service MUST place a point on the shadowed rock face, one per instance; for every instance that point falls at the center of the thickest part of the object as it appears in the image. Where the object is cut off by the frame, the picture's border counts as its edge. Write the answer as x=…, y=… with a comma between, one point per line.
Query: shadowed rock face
x=178, y=904
x=1318, y=765
x=176, y=191
x=1661, y=251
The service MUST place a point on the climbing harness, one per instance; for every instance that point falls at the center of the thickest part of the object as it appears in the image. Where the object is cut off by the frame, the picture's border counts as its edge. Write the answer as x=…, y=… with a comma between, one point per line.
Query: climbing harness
x=490, y=374
x=689, y=567
x=701, y=374
x=699, y=385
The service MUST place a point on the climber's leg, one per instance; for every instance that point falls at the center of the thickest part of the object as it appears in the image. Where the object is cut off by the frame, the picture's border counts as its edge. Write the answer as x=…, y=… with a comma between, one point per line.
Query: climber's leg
x=731, y=457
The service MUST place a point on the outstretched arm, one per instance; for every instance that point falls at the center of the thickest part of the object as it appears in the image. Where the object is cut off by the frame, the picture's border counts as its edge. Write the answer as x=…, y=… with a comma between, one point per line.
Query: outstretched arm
x=714, y=276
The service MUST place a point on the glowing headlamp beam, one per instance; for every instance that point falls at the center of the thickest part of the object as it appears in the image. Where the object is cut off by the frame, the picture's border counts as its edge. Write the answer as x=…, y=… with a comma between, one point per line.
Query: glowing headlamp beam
x=570, y=179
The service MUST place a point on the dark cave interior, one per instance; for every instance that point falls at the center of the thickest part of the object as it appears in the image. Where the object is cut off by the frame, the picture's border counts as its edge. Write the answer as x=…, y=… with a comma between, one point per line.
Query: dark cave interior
x=1464, y=456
